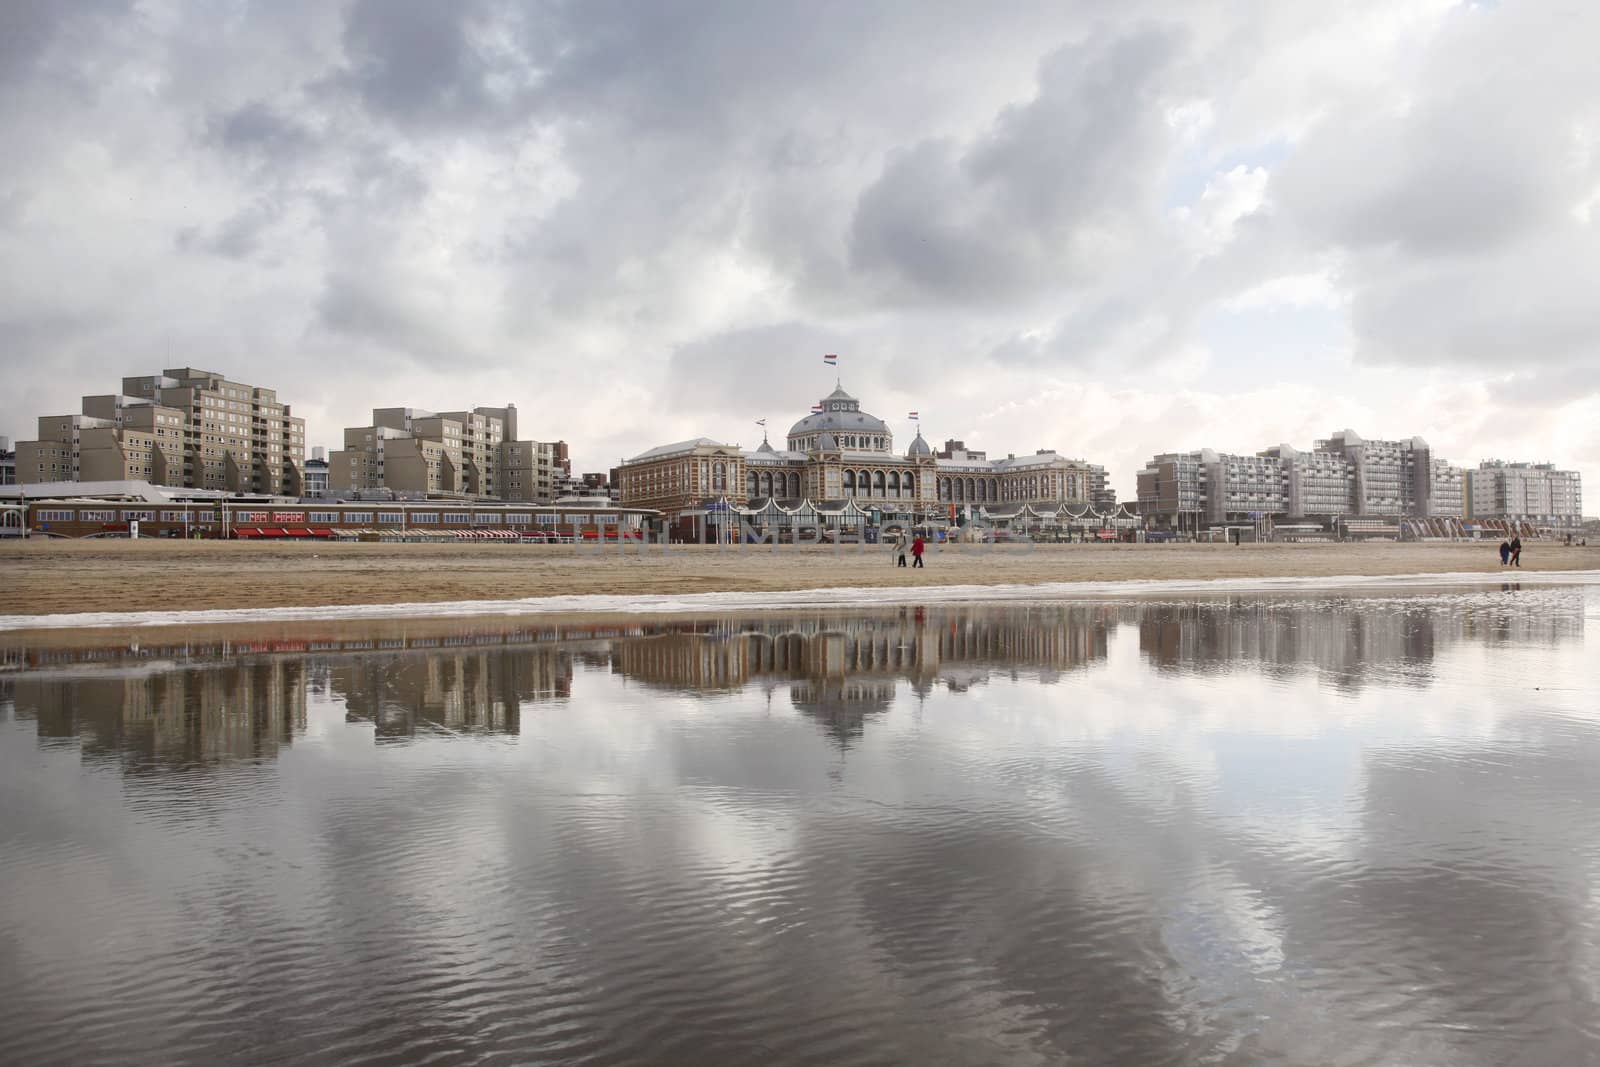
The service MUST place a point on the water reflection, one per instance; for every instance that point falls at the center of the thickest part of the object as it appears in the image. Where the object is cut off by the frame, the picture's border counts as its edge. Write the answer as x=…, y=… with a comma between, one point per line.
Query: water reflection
x=1355, y=830
x=198, y=700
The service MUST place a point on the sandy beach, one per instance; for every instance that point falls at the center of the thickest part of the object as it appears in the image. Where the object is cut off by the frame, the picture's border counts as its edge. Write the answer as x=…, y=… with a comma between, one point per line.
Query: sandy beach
x=54, y=577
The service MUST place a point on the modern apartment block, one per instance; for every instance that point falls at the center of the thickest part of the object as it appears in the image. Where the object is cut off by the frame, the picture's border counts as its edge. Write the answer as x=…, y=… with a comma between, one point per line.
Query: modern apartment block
x=1531, y=492
x=1209, y=486
x=1398, y=477
x=1344, y=475
x=184, y=427
x=467, y=453
x=8, y=463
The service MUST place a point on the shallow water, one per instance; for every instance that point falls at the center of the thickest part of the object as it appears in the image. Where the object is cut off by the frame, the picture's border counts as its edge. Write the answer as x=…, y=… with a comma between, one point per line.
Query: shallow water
x=1269, y=827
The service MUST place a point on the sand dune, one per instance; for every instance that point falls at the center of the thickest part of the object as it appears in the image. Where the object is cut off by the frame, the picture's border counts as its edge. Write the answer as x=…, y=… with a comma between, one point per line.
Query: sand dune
x=51, y=577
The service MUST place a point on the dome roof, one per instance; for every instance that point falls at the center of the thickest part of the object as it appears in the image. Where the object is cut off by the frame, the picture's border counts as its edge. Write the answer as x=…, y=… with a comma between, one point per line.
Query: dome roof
x=919, y=448
x=826, y=443
x=765, y=446
x=840, y=412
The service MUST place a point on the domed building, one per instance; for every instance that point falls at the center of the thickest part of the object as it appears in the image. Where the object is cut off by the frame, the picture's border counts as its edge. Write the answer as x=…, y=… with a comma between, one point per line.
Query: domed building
x=841, y=461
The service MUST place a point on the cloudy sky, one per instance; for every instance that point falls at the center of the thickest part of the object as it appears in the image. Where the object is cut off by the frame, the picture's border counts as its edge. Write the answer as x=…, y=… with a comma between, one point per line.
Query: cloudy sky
x=1110, y=227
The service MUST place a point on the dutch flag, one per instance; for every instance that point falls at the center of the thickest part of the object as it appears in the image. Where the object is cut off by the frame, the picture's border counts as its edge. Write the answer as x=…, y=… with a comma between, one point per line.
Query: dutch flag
x=912, y=416
x=831, y=360
x=815, y=408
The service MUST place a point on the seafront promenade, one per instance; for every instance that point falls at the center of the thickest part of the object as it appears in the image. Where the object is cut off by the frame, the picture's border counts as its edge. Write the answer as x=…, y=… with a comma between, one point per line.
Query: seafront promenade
x=55, y=577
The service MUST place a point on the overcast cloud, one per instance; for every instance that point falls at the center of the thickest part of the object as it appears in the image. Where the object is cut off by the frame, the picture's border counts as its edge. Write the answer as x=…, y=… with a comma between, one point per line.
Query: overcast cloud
x=1110, y=228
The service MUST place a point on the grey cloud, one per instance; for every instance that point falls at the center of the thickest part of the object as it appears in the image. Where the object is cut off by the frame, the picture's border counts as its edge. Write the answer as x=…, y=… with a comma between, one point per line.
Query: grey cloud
x=368, y=308
x=1052, y=188
x=258, y=127
x=237, y=237
x=417, y=62
x=1456, y=217
x=30, y=29
x=747, y=368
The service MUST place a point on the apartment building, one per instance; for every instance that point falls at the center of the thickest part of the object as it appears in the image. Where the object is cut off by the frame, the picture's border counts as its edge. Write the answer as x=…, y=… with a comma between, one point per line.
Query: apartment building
x=184, y=427
x=1343, y=475
x=472, y=453
x=1531, y=492
x=1207, y=486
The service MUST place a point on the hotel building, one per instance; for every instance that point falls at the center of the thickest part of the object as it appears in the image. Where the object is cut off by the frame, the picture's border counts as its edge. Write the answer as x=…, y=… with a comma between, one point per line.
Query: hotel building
x=184, y=427
x=840, y=455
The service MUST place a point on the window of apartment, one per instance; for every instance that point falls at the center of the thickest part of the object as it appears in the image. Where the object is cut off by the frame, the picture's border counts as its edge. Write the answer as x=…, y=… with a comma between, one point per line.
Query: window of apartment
x=358, y=516
x=425, y=517
x=486, y=518
x=53, y=516
x=97, y=516
x=522, y=517
x=392, y=517
x=545, y=518
x=141, y=516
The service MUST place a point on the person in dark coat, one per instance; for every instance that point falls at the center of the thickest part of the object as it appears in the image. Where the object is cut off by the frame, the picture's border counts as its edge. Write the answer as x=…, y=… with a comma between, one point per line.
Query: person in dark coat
x=916, y=551
x=1516, y=551
x=1505, y=553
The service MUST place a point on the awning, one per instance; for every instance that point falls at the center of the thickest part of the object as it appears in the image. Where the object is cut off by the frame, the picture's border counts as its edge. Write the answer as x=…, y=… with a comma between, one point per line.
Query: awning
x=321, y=531
x=246, y=531
x=272, y=531
x=300, y=531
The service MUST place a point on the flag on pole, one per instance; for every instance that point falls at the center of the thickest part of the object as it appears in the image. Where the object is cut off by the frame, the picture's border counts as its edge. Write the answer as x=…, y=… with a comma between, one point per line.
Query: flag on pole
x=831, y=360
x=815, y=408
x=761, y=422
x=912, y=416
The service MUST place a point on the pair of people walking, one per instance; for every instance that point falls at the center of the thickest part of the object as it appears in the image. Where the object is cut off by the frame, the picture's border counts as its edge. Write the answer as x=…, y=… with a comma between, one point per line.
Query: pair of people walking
x=898, y=547
x=1511, y=552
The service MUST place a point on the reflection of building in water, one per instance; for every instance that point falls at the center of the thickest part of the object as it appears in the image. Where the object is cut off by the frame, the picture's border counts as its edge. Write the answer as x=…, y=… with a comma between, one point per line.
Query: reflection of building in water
x=1342, y=643
x=1344, y=639
x=841, y=669
x=240, y=710
x=452, y=689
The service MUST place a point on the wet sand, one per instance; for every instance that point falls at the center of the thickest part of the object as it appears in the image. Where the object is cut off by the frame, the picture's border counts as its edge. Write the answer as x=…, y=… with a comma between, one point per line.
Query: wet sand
x=57, y=577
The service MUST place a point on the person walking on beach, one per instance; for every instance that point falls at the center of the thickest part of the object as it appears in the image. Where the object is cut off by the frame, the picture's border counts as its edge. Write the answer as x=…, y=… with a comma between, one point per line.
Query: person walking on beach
x=916, y=551
x=897, y=547
x=1505, y=553
x=1516, y=551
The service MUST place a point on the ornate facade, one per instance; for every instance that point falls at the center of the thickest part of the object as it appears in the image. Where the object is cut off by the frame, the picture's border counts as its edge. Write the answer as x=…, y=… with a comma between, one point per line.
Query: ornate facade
x=840, y=454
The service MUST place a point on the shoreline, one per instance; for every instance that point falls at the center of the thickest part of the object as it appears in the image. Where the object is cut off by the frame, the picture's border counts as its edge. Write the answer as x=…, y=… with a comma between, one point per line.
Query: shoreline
x=128, y=579
x=62, y=577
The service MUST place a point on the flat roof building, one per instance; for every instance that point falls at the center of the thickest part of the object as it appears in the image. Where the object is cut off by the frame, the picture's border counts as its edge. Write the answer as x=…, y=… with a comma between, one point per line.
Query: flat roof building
x=183, y=427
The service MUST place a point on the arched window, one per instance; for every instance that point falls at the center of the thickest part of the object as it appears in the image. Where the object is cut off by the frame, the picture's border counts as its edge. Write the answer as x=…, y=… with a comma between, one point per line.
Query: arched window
x=864, y=483
x=766, y=483
x=750, y=484
x=719, y=477
x=910, y=485
x=894, y=483
x=794, y=485
x=970, y=488
x=877, y=483
x=850, y=482
x=961, y=490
